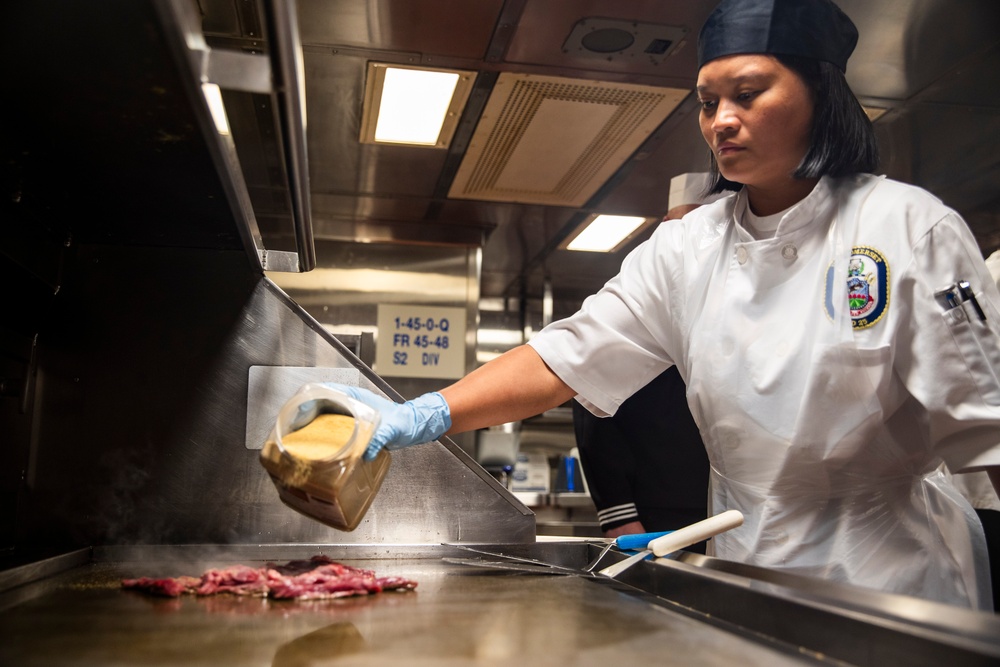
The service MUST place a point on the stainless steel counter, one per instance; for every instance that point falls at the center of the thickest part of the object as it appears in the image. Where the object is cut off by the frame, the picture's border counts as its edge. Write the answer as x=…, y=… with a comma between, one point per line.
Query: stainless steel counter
x=459, y=615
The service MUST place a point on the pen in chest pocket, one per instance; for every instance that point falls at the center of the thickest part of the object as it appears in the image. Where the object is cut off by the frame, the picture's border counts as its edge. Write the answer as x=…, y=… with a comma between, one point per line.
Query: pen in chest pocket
x=968, y=295
x=947, y=298
x=954, y=295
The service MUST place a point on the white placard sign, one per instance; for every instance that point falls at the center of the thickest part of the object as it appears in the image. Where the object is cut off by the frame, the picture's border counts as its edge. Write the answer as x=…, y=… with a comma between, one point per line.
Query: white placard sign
x=420, y=341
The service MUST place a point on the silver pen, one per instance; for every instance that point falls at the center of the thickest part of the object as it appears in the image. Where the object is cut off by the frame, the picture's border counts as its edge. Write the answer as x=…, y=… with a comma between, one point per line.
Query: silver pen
x=968, y=295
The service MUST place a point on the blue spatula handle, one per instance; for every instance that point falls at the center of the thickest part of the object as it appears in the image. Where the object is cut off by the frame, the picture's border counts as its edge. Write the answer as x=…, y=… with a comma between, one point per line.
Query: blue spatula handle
x=637, y=541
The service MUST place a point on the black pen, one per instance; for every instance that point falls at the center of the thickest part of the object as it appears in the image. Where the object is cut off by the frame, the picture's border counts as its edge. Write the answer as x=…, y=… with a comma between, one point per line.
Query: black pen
x=968, y=295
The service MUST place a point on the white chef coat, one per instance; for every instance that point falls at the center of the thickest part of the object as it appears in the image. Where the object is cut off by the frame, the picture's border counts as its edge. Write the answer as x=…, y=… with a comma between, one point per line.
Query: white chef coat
x=976, y=487
x=825, y=425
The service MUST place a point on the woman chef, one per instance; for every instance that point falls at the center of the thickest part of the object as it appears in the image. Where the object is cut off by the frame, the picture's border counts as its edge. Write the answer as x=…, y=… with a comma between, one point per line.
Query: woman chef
x=838, y=332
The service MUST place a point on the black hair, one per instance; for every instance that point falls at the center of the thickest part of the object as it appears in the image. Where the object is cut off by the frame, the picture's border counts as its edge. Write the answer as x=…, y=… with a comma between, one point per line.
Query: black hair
x=843, y=140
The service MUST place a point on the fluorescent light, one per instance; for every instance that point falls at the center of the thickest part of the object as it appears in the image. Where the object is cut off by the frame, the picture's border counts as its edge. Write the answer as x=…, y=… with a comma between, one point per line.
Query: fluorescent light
x=213, y=96
x=498, y=337
x=605, y=233
x=420, y=106
x=414, y=104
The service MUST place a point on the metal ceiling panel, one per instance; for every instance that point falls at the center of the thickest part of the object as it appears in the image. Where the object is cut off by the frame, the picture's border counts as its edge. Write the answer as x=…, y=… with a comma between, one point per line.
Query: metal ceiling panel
x=393, y=232
x=455, y=28
x=545, y=26
x=354, y=207
x=906, y=45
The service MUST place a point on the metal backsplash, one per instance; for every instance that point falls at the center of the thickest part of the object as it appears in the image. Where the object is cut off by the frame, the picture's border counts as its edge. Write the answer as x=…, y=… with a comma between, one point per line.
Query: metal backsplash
x=140, y=423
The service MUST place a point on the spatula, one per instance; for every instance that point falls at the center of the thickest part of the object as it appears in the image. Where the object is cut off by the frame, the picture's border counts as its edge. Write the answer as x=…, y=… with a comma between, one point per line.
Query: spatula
x=678, y=539
x=634, y=541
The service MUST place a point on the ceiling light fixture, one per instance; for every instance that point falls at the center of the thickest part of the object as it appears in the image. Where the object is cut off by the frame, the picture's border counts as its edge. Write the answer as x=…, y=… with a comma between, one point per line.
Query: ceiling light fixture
x=213, y=97
x=556, y=140
x=417, y=106
x=606, y=233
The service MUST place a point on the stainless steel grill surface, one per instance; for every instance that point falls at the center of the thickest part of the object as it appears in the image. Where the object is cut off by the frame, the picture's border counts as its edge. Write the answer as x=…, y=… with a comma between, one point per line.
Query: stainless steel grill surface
x=668, y=614
x=456, y=616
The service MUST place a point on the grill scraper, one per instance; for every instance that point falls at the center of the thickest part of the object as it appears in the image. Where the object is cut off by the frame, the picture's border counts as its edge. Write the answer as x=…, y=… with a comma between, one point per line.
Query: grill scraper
x=678, y=539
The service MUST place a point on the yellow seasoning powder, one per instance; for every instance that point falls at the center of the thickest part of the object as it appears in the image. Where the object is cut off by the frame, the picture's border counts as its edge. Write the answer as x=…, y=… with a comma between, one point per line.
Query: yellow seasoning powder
x=321, y=438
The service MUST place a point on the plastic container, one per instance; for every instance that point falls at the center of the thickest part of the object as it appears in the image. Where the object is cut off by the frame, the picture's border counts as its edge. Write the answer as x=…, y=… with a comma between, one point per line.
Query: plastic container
x=314, y=456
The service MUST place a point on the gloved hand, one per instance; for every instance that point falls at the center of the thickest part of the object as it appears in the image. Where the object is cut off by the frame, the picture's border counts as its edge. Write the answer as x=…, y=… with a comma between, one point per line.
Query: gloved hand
x=422, y=419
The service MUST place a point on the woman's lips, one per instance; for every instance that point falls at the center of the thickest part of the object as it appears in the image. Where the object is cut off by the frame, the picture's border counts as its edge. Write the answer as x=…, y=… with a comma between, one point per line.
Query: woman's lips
x=727, y=149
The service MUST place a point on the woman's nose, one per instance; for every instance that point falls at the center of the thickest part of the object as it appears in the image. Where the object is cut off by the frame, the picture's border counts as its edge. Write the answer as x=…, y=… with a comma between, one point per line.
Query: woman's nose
x=725, y=119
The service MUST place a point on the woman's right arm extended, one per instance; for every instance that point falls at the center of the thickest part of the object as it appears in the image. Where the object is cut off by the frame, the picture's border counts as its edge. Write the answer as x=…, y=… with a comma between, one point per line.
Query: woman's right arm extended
x=514, y=386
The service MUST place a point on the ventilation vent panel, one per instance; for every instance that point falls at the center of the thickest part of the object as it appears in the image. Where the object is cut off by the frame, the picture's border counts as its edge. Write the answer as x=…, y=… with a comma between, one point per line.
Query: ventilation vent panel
x=549, y=140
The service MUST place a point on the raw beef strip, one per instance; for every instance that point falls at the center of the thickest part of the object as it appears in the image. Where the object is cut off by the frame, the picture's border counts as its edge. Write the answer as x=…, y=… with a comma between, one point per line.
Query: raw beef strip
x=238, y=579
x=314, y=579
x=168, y=587
x=294, y=567
x=332, y=581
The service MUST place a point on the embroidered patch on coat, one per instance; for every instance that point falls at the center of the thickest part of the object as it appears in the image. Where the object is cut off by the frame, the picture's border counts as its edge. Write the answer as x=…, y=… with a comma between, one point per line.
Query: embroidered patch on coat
x=867, y=287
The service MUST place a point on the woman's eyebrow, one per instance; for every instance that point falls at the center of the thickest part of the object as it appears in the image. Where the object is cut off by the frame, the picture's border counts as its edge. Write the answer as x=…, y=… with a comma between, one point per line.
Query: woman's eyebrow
x=755, y=78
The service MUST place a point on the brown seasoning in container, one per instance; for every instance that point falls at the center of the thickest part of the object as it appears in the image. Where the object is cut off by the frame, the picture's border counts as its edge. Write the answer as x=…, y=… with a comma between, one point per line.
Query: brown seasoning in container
x=321, y=438
x=319, y=470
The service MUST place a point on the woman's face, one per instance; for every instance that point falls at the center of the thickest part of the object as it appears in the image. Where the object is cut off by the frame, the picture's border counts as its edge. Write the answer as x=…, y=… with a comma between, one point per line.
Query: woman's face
x=756, y=115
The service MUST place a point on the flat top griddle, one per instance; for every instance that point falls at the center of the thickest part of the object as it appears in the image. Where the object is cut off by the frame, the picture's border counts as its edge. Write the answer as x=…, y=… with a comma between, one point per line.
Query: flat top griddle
x=457, y=616
x=71, y=610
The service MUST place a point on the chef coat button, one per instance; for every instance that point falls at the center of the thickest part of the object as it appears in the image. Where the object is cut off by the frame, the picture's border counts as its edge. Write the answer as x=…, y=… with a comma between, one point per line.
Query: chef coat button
x=742, y=255
x=789, y=252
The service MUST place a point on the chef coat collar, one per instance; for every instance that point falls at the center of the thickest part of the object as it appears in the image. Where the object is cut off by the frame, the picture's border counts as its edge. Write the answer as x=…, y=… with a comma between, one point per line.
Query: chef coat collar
x=799, y=216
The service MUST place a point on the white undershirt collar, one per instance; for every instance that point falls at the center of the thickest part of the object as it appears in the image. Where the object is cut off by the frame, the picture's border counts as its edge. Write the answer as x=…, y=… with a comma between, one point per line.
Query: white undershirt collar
x=761, y=227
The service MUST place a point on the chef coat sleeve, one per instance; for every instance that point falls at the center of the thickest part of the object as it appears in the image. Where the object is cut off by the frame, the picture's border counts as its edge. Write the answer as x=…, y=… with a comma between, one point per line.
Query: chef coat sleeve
x=949, y=359
x=626, y=334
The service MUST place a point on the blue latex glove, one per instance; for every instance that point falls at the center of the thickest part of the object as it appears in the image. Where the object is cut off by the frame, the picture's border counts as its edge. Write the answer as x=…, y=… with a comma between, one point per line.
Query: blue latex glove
x=424, y=419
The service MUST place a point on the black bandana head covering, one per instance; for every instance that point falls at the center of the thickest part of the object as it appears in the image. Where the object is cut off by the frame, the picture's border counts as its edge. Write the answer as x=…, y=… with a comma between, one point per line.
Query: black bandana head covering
x=815, y=29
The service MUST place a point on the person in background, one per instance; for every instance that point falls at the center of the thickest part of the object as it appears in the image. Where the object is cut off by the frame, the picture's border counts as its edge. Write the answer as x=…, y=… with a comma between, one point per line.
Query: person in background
x=977, y=489
x=646, y=467
x=838, y=332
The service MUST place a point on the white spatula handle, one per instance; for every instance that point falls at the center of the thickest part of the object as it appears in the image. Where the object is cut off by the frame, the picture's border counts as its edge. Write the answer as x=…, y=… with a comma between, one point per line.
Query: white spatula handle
x=696, y=532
